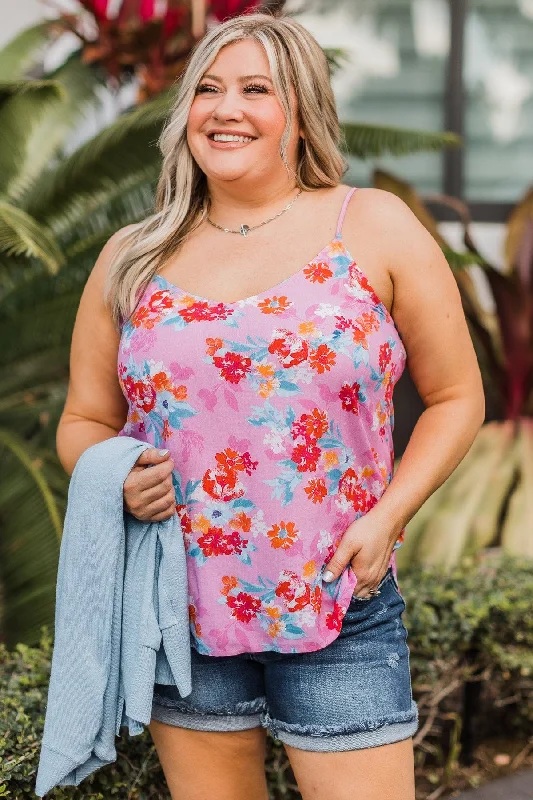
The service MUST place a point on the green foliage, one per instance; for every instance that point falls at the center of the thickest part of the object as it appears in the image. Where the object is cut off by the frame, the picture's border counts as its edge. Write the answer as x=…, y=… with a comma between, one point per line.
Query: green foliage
x=473, y=622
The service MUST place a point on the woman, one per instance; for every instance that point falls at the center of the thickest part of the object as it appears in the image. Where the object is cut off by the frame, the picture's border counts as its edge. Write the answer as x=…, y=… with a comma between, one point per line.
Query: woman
x=268, y=386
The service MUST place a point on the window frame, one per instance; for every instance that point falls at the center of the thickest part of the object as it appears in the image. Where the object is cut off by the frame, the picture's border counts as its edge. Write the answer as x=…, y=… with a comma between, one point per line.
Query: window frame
x=453, y=158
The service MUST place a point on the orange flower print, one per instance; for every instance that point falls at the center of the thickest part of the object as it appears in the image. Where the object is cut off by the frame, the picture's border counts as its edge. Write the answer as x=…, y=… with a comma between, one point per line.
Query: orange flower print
x=310, y=426
x=316, y=490
x=275, y=628
x=146, y=316
x=322, y=358
x=349, y=396
x=289, y=348
x=229, y=582
x=318, y=272
x=283, y=535
x=213, y=345
x=233, y=367
x=222, y=485
x=230, y=459
x=160, y=301
x=193, y=620
x=274, y=305
x=241, y=521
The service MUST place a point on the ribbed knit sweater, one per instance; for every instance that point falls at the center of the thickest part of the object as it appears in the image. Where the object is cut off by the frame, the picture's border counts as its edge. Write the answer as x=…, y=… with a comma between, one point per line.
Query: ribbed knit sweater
x=121, y=619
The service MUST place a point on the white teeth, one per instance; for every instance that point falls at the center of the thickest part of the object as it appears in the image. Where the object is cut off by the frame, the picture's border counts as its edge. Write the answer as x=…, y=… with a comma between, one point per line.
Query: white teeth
x=226, y=137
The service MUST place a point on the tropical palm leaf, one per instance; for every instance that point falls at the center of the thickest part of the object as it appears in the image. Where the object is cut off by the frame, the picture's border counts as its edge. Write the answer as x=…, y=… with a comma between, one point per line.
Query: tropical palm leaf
x=48, y=134
x=366, y=140
x=31, y=515
x=22, y=52
x=22, y=235
x=22, y=104
x=122, y=152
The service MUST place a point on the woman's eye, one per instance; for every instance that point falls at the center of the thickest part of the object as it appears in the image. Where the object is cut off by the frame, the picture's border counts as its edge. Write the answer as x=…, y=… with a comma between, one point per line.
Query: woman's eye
x=255, y=87
x=205, y=88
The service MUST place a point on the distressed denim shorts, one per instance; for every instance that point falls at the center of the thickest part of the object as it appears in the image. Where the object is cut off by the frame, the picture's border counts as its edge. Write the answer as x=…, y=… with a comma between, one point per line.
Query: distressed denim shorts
x=353, y=693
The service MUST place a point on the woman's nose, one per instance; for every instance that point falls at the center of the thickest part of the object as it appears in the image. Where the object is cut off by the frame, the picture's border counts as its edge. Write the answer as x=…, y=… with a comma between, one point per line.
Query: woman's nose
x=228, y=107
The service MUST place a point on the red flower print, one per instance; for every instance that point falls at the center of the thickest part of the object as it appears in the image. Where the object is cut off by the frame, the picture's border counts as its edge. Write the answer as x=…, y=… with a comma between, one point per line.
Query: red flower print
x=184, y=518
x=322, y=358
x=318, y=272
x=316, y=490
x=385, y=354
x=217, y=543
x=233, y=367
x=283, y=535
x=350, y=486
x=305, y=456
x=222, y=485
x=245, y=607
x=289, y=348
x=334, y=618
x=349, y=396
x=342, y=323
x=202, y=311
x=141, y=394
x=193, y=620
x=295, y=592
x=230, y=460
x=274, y=305
x=311, y=426
x=160, y=301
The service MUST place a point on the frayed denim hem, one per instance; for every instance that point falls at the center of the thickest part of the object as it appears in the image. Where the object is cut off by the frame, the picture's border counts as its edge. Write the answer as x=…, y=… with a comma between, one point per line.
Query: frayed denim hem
x=328, y=739
x=205, y=721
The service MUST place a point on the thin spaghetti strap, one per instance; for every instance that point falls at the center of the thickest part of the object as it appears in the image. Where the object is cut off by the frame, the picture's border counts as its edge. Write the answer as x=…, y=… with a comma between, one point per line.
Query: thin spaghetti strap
x=343, y=210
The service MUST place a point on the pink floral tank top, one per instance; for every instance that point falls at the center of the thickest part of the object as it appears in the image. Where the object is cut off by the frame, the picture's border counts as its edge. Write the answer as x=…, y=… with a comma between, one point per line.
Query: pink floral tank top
x=278, y=413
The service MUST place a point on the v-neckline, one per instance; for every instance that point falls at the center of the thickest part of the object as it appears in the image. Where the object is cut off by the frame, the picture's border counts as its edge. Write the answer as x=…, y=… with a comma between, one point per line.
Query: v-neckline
x=337, y=238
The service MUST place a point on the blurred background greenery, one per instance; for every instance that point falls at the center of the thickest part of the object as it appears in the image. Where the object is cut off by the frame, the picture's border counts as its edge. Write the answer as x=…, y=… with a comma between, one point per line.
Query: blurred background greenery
x=436, y=103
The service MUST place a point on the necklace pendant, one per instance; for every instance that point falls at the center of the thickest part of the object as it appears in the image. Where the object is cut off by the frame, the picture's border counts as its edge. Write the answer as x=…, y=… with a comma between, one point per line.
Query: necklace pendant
x=244, y=229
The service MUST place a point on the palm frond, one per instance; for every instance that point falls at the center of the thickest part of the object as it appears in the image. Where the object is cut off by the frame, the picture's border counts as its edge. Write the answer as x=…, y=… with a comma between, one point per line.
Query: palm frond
x=22, y=52
x=31, y=515
x=21, y=234
x=22, y=105
x=49, y=134
x=122, y=151
x=366, y=140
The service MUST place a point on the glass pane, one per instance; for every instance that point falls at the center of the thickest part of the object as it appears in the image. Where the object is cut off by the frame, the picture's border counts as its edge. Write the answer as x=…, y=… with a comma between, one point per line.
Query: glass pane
x=398, y=52
x=499, y=108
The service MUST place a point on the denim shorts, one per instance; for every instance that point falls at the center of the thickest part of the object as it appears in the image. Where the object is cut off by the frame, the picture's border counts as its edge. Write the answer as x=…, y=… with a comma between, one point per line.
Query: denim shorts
x=353, y=693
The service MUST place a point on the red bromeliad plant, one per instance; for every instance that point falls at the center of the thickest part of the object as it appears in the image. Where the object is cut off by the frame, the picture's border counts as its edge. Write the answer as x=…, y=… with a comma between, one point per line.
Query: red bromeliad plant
x=150, y=39
x=487, y=502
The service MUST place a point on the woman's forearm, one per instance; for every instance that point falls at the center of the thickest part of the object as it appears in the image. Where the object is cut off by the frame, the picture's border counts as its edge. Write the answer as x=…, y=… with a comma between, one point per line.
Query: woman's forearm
x=441, y=438
x=75, y=434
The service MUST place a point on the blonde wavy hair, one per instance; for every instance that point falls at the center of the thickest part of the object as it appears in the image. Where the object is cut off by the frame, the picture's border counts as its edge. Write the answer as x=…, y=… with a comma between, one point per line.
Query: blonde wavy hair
x=182, y=199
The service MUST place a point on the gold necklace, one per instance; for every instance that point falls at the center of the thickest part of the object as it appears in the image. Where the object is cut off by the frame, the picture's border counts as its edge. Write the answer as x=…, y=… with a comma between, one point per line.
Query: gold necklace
x=244, y=230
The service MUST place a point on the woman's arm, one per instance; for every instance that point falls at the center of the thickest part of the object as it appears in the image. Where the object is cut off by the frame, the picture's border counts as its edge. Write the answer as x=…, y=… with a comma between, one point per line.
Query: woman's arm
x=428, y=313
x=442, y=362
x=95, y=408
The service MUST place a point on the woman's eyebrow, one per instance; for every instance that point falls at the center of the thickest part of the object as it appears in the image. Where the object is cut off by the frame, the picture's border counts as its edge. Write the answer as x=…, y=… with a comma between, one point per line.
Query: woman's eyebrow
x=242, y=79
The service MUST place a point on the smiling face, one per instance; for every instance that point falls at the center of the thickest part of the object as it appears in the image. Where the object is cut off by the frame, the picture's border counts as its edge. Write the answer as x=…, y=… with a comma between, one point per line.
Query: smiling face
x=236, y=121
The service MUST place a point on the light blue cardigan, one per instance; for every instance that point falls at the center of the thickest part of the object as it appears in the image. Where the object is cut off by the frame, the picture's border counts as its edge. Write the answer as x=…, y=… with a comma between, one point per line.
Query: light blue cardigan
x=121, y=592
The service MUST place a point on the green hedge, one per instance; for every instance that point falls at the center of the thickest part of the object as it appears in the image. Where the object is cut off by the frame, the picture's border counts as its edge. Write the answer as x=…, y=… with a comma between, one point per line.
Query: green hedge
x=469, y=628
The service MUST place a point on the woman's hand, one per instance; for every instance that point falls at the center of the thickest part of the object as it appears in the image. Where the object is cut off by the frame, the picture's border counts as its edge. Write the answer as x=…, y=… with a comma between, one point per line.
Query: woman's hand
x=149, y=493
x=367, y=545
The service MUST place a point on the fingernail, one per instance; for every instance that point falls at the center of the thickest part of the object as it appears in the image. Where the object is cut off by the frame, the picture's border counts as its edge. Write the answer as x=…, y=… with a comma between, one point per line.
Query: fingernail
x=328, y=576
x=162, y=452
